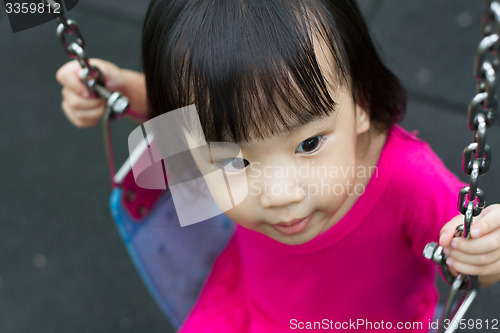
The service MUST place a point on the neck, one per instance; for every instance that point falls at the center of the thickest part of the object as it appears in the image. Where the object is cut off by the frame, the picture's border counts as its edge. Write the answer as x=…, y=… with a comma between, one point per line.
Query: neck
x=369, y=149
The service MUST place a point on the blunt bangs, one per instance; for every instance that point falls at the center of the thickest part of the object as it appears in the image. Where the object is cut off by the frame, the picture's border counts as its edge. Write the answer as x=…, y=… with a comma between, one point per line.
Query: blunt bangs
x=250, y=66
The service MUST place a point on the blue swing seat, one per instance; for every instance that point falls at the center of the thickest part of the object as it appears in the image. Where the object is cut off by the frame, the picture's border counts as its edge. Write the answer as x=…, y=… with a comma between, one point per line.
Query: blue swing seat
x=173, y=261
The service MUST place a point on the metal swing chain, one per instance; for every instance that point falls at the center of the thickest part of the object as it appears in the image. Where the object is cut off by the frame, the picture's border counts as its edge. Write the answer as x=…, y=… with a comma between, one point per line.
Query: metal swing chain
x=475, y=161
x=117, y=104
x=91, y=76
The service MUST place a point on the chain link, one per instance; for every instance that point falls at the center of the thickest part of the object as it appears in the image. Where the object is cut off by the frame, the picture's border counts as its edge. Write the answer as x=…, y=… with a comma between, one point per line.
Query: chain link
x=481, y=113
x=476, y=157
x=117, y=104
x=91, y=76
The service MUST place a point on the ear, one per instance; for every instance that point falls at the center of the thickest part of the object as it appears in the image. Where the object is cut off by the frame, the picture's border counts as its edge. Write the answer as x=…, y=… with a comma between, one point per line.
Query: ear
x=362, y=120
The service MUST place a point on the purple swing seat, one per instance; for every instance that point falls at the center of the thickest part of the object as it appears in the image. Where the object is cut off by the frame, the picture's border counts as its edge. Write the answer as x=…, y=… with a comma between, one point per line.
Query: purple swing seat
x=173, y=261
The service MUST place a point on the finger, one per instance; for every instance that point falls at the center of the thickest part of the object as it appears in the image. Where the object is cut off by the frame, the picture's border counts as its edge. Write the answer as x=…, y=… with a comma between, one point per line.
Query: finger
x=486, y=222
x=473, y=259
x=90, y=115
x=449, y=229
x=485, y=244
x=452, y=271
x=76, y=102
x=469, y=269
x=78, y=122
x=69, y=76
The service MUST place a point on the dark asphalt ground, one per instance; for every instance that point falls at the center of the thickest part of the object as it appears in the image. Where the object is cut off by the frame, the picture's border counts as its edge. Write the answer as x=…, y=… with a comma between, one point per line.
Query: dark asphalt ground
x=63, y=267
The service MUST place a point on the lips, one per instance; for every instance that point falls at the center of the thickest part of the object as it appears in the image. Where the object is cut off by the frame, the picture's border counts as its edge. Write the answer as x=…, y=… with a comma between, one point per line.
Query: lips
x=293, y=227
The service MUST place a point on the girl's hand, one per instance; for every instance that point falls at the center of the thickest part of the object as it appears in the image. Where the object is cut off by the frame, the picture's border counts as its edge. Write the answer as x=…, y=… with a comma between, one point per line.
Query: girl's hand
x=480, y=254
x=81, y=109
x=85, y=111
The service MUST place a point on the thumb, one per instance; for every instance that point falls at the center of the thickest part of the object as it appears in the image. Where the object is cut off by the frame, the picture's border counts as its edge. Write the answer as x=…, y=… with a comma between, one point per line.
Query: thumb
x=448, y=231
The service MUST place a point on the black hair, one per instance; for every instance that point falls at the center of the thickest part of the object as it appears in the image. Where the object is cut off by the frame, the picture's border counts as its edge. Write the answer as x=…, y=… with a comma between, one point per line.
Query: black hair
x=250, y=67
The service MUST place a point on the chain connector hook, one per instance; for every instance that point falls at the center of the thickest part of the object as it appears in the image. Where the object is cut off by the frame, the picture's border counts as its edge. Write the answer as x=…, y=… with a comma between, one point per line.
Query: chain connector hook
x=461, y=282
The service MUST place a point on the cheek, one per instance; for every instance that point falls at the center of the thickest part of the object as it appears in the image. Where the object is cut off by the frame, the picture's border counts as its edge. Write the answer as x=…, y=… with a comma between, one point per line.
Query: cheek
x=332, y=177
x=247, y=212
x=229, y=191
x=244, y=214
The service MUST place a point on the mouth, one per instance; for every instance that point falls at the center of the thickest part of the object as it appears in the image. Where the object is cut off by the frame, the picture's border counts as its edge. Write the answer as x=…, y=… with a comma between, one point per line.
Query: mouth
x=293, y=227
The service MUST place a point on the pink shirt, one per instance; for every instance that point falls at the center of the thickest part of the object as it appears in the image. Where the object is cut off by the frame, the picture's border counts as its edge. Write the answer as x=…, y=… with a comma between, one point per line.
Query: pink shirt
x=367, y=271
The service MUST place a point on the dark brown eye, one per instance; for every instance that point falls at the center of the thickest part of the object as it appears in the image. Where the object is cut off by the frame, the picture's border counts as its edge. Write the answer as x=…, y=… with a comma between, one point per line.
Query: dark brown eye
x=310, y=145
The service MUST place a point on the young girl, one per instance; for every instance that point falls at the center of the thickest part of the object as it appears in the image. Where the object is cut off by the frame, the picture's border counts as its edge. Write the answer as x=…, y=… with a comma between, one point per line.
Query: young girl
x=343, y=201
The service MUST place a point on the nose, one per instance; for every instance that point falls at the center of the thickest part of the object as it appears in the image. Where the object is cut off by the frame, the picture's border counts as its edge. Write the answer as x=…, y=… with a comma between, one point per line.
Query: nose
x=281, y=192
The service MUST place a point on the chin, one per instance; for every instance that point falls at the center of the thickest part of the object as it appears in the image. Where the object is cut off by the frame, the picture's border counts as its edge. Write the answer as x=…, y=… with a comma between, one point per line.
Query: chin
x=298, y=239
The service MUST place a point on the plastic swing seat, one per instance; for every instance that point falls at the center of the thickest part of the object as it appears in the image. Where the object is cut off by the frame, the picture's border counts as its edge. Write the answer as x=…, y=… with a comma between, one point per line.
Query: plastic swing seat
x=173, y=261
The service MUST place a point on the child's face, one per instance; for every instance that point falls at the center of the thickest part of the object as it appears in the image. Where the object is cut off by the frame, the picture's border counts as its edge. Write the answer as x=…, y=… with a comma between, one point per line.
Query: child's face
x=298, y=184
x=294, y=186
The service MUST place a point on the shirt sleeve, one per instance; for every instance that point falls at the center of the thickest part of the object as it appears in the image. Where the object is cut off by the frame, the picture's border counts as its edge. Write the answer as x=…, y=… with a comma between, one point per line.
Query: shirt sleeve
x=433, y=192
